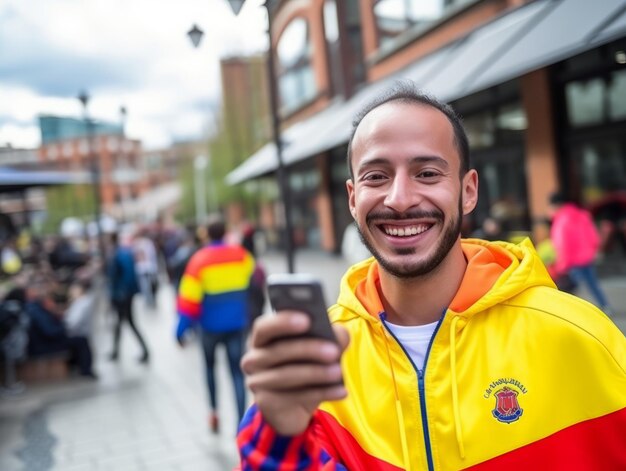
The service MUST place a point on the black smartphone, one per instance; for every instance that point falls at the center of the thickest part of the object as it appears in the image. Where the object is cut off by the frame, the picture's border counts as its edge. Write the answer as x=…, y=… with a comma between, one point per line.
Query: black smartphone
x=301, y=292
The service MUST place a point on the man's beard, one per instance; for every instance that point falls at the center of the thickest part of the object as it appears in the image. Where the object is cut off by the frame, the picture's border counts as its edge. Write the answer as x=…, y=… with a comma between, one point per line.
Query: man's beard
x=451, y=233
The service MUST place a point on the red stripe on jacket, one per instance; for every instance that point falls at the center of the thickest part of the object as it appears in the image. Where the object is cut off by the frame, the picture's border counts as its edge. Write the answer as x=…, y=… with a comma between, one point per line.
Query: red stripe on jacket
x=596, y=444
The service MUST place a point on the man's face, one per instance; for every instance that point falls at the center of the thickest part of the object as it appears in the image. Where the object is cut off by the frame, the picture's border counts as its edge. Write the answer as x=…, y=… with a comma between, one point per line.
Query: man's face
x=407, y=197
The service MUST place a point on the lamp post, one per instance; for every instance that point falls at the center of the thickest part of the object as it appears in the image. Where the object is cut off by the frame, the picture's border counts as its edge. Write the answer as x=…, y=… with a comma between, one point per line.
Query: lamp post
x=83, y=97
x=124, y=163
x=283, y=181
x=200, y=164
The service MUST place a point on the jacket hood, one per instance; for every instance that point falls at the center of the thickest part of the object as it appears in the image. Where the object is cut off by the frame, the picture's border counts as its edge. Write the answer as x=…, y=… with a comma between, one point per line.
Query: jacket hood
x=496, y=272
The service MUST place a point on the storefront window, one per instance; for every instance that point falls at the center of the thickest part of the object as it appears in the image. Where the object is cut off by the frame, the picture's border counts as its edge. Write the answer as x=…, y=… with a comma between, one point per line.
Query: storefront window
x=585, y=102
x=496, y=138
x=480, y=129
x=296, y=79
x=600, y=167
x=396, y=16
x=500, y=125
x=617, y=95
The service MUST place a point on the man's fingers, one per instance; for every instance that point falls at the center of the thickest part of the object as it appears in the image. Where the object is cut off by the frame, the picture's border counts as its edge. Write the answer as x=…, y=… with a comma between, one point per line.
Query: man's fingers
x=266, y=329
x=309, y=398
x=295, y=350
x=292, y=377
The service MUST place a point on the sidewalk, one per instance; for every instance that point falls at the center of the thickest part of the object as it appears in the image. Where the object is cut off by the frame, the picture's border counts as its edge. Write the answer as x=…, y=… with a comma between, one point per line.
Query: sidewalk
x=153, y=417
x=135, y=417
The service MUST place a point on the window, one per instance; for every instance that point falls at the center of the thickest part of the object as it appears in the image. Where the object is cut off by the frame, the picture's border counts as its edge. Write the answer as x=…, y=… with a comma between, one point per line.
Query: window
x=585, y=103
x=596, y=101
x=396, y=16
x=616, y=92
x=296, y=79
x=502, y=125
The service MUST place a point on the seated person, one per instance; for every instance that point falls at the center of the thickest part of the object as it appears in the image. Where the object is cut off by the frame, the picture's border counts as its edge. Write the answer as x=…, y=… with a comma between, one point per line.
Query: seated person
x=47, y=333
x=77, y=318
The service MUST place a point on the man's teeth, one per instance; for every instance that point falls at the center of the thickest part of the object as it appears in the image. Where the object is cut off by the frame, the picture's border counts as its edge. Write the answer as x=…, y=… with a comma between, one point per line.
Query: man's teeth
x=405, y=231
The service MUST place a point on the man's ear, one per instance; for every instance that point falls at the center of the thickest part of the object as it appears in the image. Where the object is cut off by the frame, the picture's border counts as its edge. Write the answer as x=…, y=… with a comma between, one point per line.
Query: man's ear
x=470, y=191
x=351, y=198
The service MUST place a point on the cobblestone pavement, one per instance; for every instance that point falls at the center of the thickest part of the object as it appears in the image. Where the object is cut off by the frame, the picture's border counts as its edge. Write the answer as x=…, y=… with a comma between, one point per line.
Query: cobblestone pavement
x=153, y=417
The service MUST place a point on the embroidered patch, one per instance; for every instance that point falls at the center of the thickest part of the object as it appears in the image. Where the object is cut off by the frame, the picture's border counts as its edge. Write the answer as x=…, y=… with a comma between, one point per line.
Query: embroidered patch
x=505, y=392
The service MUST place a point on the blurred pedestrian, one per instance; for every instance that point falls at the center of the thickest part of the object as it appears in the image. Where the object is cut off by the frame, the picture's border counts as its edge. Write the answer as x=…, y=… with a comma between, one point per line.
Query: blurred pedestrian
x=256, y=291
x=576, y=243
x=490, y=229
x=123, y=286
x=146, y=266
x=79, y=314
x=181, y=256
x=213, y=294
x=47, y=333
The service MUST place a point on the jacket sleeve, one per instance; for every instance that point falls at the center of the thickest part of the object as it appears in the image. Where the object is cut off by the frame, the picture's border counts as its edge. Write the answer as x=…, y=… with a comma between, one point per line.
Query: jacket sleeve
x=560, y=240
x=261, y=448
x=190, y=295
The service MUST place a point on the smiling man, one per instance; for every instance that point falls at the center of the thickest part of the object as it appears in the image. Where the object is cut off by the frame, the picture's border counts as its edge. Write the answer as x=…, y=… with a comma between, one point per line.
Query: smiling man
x=454, y=354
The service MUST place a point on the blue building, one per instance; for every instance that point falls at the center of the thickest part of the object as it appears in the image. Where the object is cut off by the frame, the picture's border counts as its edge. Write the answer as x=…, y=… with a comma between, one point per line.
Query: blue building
x=55, y=128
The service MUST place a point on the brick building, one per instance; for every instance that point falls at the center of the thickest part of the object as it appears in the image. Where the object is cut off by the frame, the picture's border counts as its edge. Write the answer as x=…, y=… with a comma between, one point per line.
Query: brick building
x=130, y=178
x=541, y=85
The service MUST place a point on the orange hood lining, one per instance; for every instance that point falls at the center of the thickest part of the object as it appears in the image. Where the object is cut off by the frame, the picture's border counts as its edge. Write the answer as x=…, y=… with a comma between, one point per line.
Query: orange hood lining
x=484, y=267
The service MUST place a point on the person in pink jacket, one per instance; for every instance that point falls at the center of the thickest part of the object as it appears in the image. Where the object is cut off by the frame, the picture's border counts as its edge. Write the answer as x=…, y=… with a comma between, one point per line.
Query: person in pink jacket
x=576, y=242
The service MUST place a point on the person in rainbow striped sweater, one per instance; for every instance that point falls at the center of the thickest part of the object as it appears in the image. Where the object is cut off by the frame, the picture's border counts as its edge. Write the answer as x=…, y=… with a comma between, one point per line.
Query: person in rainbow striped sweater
x=451, y=354
x=213, y=294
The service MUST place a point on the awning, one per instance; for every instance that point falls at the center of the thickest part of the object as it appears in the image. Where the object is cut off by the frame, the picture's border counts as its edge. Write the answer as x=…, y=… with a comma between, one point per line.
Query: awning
x=528, y=38
x=12, y=179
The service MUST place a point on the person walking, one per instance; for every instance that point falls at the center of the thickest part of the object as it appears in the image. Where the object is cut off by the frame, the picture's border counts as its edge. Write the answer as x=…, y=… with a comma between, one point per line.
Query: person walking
x=576, y=243
x=146, y=267
x=123, y=287
x=258, y=281
x=451, y=353
x=213, y=295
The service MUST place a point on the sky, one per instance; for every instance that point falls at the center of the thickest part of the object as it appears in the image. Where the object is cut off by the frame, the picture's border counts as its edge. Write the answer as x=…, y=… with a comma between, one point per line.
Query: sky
x=123, y=53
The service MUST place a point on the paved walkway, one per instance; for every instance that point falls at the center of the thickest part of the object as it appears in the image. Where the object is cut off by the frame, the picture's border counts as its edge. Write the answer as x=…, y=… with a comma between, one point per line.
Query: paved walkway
x=153, y=417
x=135, y=417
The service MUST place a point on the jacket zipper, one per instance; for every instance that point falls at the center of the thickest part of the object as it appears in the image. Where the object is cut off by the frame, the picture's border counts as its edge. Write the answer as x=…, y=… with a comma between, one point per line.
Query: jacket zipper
x=420, y=384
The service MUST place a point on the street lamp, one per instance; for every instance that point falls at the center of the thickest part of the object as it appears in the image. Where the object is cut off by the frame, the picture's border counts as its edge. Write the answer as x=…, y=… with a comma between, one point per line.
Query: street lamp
x=83, y=97
x=200, y=164
x=123, y=162
x=283, y=182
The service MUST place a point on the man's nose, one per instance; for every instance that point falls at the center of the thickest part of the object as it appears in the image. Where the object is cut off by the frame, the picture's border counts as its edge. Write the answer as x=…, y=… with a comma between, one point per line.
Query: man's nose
x=402, y=194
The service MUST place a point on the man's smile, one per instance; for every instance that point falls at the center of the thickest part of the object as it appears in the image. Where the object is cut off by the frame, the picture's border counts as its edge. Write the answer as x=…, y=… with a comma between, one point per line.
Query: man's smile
x=405, y=231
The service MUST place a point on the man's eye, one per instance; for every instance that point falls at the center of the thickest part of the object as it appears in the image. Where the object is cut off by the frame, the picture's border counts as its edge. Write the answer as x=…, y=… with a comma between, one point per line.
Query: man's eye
x=428, y=174
x=373, y=177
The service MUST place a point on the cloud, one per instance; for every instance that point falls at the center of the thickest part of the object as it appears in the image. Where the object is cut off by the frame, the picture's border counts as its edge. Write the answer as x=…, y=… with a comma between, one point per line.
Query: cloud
x=124, y=53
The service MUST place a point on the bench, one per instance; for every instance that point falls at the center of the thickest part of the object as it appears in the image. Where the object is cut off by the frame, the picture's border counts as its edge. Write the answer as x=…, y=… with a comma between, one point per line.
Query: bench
x=41, y=368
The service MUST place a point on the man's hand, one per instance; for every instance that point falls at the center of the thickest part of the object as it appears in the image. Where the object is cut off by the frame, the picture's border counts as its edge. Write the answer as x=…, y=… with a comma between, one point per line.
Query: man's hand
x=290, y=376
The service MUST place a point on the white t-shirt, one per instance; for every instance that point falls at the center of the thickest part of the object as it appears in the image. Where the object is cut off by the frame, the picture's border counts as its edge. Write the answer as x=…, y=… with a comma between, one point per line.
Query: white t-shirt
x=414, y=339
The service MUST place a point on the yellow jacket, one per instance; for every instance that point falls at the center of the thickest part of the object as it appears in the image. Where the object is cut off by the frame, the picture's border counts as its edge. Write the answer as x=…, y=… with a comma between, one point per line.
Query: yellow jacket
x=518, y=376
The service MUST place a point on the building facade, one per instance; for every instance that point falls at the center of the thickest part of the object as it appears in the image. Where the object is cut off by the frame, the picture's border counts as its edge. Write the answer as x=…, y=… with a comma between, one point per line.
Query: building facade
x=540, y=84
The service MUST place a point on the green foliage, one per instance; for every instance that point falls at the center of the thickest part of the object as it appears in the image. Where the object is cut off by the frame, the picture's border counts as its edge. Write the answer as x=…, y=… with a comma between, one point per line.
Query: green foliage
x=68, y=201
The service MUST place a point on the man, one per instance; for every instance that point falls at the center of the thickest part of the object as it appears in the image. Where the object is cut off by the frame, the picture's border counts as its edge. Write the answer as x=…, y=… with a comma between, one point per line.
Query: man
x=146, y=267
x=214, y=293
x=462, y=354
x=576, y=243
x=47, y=333
x=123, y=286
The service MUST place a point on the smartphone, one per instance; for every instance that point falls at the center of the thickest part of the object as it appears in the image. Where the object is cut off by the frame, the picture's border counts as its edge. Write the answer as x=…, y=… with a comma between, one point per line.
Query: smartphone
x=301, y=292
